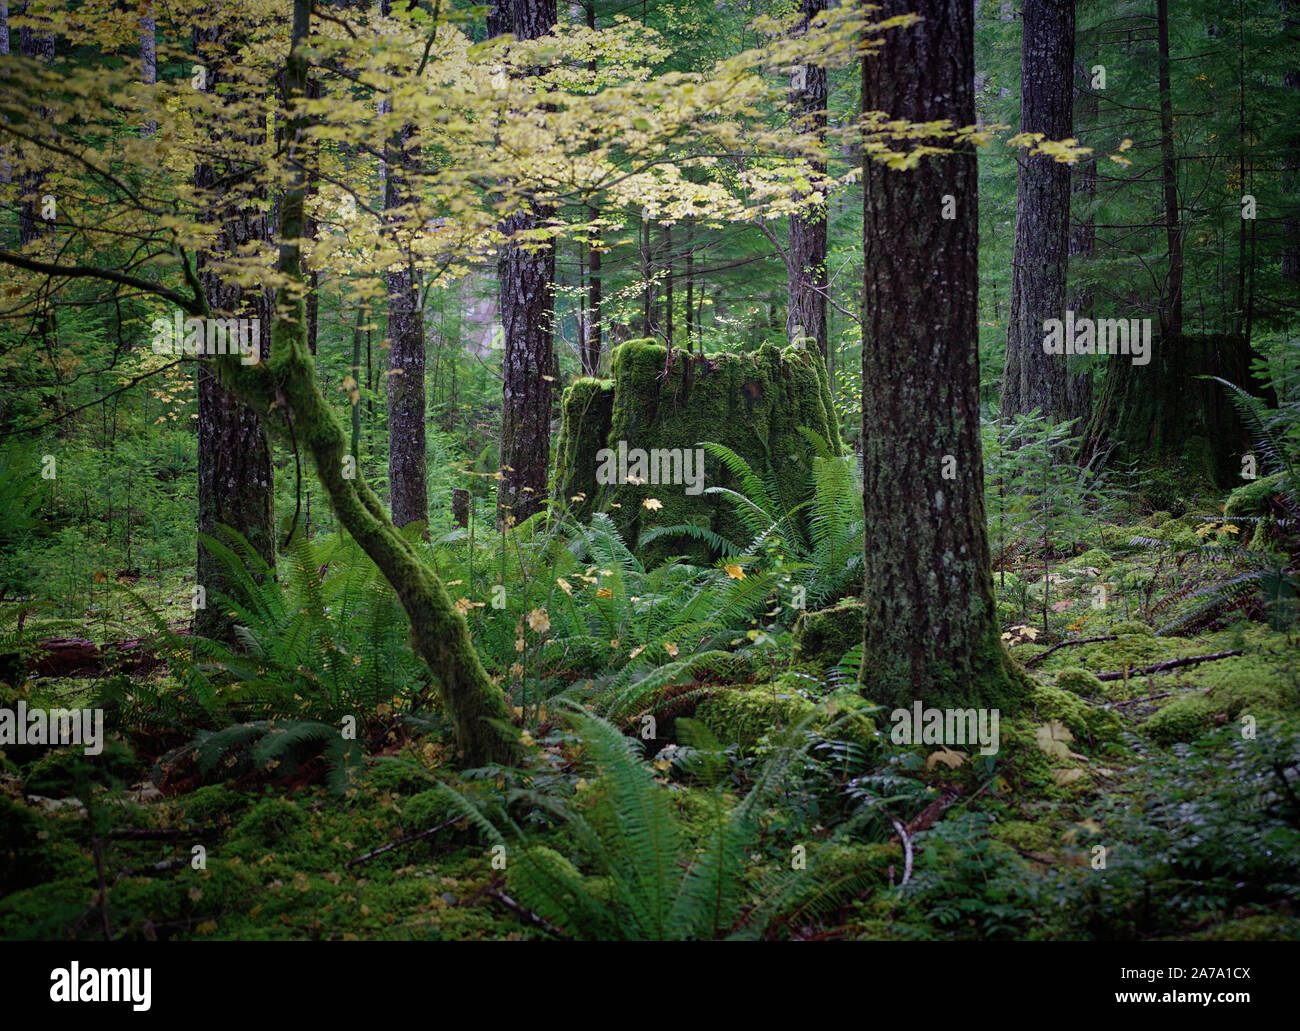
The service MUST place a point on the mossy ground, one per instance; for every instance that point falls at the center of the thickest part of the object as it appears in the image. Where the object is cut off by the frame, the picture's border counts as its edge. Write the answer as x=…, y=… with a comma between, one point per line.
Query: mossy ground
x=1004, y=845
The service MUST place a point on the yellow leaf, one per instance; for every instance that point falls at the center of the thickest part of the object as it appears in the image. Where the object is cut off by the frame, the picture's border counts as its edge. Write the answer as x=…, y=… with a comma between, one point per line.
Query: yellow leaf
x=564, y=585
x=539, y=621
x=671, y=648
x=947, y=756
x=1064, y=777
x=734, y=571
x=1053, y=738
x=653, y=504
x=207, y=927
x=604, y=592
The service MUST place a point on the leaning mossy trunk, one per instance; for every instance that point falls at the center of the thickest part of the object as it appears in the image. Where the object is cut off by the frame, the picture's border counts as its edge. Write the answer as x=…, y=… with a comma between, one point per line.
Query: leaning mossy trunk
x=285, y=392
x=1167, y=415
x=759, y=405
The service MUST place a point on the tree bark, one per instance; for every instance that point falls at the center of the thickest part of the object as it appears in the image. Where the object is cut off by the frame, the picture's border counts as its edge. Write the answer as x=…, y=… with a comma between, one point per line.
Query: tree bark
x=806, y=265
x=1031, y=378
x=527, y=283
x=39, y=45
x=407, y=472
x=1083, y=242
x=1291, y=161
x=1171, y=308
x=930, y=625
x=236, y=482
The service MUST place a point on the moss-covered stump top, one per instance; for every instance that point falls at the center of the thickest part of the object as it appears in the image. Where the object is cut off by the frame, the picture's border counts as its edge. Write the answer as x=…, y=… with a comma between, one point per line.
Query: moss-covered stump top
x=637, y=436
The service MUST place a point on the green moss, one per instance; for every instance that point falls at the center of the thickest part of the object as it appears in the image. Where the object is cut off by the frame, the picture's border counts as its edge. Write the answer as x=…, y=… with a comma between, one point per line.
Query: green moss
x=1033, y=837
x=744, y=716
x=213, y=802
x=1079, y=681
x=756, y=404
x=1051, y=703
x=269, y=823
x=24, y=859
x=1251, y=499
x=1252, y=691
x=824, y=635
x=425, y=810
x=1182, y=719
x=1093, y=557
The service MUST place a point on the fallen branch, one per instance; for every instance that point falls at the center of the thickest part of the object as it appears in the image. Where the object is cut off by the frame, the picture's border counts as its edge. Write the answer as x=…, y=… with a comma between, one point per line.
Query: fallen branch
x=400, y=842
x=1145, y=698
x=1036, y=659
x=1160, y=667
x=527, y=914
x=150, y=834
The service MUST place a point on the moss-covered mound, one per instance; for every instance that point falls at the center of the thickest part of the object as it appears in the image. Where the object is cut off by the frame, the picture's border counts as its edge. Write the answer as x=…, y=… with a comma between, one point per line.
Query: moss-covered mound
x=756, y=404
x=825, y=635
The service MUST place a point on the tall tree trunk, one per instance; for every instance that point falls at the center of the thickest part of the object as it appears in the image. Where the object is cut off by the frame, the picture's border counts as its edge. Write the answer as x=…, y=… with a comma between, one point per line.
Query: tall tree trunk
x=1031, y=378
x=236, y=481
x=1171, y=308
x=1291, y=160
x=148, y=54
x=806, y=264
x=407, y=474
x=690, y=284
x=591, y=343
x=34, y=43
x=1083, y=241
x=527, y=282
x=668, y=266
x=930, y=625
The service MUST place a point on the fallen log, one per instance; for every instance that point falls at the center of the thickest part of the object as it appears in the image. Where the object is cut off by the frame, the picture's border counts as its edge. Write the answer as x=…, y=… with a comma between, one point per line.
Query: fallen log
x=78, y=657
x=1160, y=667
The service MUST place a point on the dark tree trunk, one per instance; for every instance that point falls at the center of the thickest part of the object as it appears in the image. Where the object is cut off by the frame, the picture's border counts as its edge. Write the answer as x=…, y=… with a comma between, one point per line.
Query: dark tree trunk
x=668, y=266
x=40, y=45
x=690, y=284
x=236, y=484
x=806, y=264
x=931, y=631
x=527, y=282
x=591, y=343
x=407, y=476
x=1171, y=308
x=1032, y=379
x=148, y=54
x=1291, y=160
x=1083, y=244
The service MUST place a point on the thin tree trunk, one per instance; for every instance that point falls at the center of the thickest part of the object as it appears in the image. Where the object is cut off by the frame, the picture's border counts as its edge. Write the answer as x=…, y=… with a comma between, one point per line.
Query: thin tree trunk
x=1291, y=159
x=39, y=45
x=806, y=264
x=407, y=473
x=1083, y=243
x=148, y=55
x=591, y=343
x=668, y=285
x=1031, y=378
x=931, y=631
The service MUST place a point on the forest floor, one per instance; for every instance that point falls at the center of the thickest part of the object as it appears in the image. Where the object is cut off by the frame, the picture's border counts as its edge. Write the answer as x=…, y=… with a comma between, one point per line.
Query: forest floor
x=1153, y=804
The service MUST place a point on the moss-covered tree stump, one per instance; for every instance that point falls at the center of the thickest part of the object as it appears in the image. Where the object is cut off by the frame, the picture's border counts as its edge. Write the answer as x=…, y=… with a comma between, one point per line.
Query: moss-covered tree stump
x=756, y=404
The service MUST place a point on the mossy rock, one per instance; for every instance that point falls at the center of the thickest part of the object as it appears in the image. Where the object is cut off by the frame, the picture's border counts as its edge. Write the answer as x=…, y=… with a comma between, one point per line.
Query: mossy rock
x=56, y=773
x=1254, y=691
x=269, y=823
x=1079, y=681
x=1093, y=557
x=1251, y=499
x=1177, y=535
x=1084, y=720
x=424, y=810
x=1183, y=719
x=1132, y=627
x=757, y=404
x=214, y=802
x=825, y=635
x=744, y=716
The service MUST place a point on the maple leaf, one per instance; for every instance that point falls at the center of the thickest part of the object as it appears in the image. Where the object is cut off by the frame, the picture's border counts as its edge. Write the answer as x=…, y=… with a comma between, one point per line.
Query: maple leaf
x=950, y=758
x=564, y=585
x=1053, y=738
x=734, y=571
x=653, y=504
x=604, y=592
x=671, y=648
x=539, y=621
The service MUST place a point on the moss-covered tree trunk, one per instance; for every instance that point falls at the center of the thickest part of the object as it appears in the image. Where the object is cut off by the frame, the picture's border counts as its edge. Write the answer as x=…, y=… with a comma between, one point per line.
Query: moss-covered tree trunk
x=287, y=394
x=1032, y=379
x=806, y=253
x=236, y=485
x=931, y=631
x=526, y=276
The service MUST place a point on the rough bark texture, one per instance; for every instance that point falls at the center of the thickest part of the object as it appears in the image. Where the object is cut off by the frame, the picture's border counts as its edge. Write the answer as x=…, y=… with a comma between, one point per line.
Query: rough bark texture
x=40, y=45
x=806, y=254
x=236, y=481
x=407, y=473
x=1291, y=162
x=288, y=386
x=1032, y=379
x=527, y=282
x=1083, y=242
x=1171, y=307
x=931, y=631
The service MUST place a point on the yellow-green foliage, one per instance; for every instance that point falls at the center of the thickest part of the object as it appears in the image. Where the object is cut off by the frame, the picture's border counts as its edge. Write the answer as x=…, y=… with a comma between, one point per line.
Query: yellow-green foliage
x=1023, y=834
x=744, y=716
x=824, y=635
x=1094, y=557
